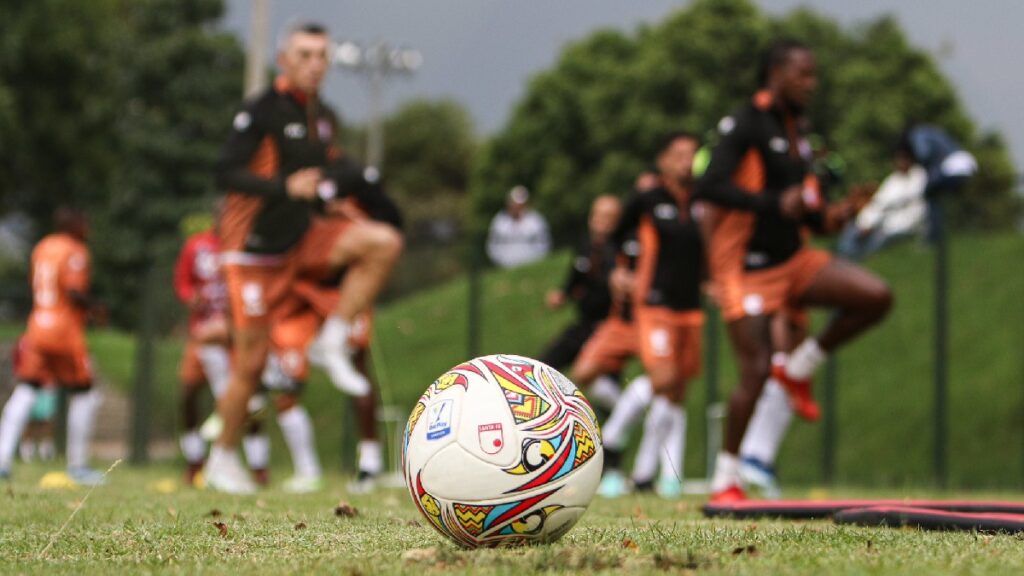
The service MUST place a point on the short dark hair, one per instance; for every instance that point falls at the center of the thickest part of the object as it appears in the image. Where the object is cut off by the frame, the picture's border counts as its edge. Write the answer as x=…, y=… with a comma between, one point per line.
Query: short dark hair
x=299, y=26
x=668, y=138
x=776, y=55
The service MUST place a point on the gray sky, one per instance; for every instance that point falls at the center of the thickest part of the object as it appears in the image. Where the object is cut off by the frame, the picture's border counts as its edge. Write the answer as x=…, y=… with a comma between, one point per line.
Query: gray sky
x=481, y=52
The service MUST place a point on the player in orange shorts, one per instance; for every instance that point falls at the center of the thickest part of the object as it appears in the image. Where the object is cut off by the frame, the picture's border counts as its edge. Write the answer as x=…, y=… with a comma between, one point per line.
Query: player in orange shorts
x=760, y=176
x=53, y=347
x=279, y=167
x=667, y=307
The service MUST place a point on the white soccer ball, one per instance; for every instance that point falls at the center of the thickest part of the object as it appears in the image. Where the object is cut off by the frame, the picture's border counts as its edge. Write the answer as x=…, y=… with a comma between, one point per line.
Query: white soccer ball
x=502, y=450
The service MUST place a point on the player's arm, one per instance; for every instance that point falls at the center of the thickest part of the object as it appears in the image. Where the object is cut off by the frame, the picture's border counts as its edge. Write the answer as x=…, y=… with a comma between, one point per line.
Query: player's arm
x=75, y=283
x=233, y=171
x=346, y=177
x=575, y=280
x=717, y=186
x=184, y=284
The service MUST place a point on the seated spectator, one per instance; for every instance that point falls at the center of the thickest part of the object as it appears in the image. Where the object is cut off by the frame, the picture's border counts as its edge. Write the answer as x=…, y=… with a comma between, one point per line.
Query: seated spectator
x=896, y=211
x=518, y=234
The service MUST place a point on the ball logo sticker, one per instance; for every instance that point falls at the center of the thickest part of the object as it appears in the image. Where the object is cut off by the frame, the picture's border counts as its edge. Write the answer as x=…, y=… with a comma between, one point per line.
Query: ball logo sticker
x=491, y=438
x=439, y=420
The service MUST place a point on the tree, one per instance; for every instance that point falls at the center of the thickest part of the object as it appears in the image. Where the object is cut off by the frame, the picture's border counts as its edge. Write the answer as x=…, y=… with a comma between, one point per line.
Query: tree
x=181, y=84
x=588, y=125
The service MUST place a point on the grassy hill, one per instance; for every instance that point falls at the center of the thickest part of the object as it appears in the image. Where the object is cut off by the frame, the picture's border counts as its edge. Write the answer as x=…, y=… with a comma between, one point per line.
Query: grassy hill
x=884, y=381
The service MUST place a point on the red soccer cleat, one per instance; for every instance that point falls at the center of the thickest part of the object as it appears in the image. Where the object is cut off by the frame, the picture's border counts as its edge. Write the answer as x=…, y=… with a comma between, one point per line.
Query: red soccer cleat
x=731, y=494
x=800, y=396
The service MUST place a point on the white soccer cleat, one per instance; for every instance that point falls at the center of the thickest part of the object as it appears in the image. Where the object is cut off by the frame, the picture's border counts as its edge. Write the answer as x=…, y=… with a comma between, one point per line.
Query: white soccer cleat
x=613, y=485
x=225, y=473
x=303, y=484
x=363, y=484
x=85, y=476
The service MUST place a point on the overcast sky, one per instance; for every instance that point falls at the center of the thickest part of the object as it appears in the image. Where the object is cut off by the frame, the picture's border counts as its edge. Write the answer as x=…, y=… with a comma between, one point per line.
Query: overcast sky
x=481, y=52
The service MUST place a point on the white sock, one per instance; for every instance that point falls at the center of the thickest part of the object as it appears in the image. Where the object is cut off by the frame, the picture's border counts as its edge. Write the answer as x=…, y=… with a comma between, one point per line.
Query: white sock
x=369, y=457
x=46, y=449
x=631, y=404
x=193, y=447
x=81, y=418
x=805, y=360
x=27, y=450
x=216, y=362
x=13, y=421
x=672, y=457
x=605, y=392
x=337, y=357
x=656, y=429
x=727, y=472
x=768, y=425
x=257, y=450
x=297, y=429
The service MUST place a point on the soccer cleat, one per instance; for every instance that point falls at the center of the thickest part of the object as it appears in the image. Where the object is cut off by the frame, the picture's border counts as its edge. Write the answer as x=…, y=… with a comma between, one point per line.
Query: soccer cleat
x=364, y=483
x=669, y=488
x=799, y=394
x=227, y=475
x=85, y=476
x=211, y=428
x=303, y=484
x=613, y=485
x=761, y=476
x=731, y=494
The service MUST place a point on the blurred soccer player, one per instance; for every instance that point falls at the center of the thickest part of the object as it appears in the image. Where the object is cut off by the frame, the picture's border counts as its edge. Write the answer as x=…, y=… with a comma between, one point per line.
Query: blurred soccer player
x=667, y=306
x=199, y=284
x=587, y=285
x=278, y=166
x=53, y=347
x=760, y=173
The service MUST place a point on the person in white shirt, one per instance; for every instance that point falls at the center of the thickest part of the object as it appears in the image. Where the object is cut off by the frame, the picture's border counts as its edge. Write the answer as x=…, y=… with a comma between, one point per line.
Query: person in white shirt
x=897, y=210
x=518, y=234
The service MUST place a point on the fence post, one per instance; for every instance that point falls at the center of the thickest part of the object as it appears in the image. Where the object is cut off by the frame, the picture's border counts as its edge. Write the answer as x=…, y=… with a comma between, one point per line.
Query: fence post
x=829, y=426
x=144, y=357
x=941, y=339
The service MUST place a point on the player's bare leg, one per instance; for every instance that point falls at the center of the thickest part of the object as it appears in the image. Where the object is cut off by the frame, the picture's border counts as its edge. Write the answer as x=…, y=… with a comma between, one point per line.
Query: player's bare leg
x=860, y=299
x=368, y=251
x=193, y=447
x=224, y=470
x=751, y=339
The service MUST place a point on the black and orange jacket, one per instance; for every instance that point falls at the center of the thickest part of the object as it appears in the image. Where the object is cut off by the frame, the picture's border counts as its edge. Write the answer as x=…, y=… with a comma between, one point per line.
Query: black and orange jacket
x=670, y=264
x=587, y=281
x=762, y=151
x=275, y=134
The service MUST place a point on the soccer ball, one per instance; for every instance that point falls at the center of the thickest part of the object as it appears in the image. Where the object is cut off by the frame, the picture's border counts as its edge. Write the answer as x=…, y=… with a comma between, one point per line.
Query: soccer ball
x=502, y=450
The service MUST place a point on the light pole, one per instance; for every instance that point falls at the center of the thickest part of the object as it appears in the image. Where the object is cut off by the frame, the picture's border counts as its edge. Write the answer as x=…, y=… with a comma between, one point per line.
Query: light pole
x=376, y=62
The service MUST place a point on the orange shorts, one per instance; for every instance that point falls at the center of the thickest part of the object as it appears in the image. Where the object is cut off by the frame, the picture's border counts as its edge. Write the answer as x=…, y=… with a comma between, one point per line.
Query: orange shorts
x=670, y=336
x=765, y=292
x=258, y=286
x=610, y=346
x=290, y=340
x=68, y=365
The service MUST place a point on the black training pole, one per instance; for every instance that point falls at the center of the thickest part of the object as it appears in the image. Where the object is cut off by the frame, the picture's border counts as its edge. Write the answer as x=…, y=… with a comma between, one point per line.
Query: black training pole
x=473, y=301
x=941, y=338
x=829, y=426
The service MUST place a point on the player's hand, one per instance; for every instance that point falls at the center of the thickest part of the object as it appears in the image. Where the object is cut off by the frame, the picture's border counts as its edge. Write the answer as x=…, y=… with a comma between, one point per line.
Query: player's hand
x=791, y=203
x=555, y=299
x=301, y=184
x=621, y=283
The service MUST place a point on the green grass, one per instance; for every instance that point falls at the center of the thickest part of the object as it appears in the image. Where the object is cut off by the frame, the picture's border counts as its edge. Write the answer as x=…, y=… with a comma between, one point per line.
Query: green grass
x=131, y=527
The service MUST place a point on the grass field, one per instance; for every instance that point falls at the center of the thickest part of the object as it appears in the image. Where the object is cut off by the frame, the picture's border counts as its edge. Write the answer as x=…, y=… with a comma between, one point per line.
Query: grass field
x=142, y=523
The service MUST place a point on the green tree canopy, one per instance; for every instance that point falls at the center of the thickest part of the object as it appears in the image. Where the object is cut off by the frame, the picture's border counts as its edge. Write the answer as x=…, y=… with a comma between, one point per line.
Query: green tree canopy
x=589, y=124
